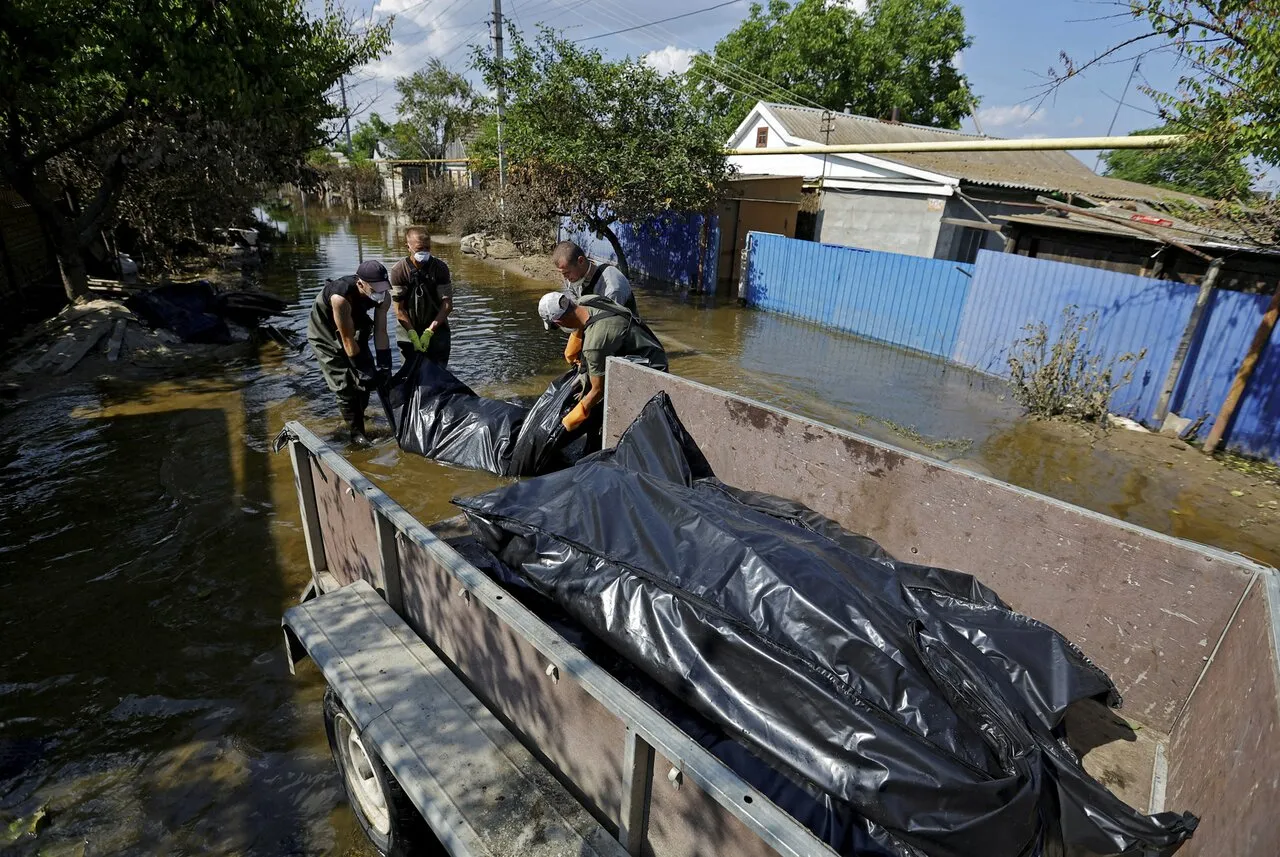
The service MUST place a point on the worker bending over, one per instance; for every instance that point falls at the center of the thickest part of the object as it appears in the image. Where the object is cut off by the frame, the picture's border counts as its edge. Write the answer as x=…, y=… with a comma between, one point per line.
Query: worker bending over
x=339, y=331
x=598, y=329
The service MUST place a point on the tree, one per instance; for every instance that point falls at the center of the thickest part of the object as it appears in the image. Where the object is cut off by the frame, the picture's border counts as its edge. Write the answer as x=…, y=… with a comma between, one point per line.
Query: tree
x=1228, y=95
x=109, y=96
x=897, y=54
x=368, y=135
x=610, y=141
x=437, y=107
x=1192, y=168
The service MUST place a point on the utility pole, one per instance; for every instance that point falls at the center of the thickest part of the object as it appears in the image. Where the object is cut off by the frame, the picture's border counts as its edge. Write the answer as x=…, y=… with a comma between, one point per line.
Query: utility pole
x=502, y=96
x=351, y=152
x=828, y=125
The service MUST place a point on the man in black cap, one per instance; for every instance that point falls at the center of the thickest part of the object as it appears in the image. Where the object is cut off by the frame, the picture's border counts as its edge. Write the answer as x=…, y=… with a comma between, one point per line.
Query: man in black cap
x=339, y=335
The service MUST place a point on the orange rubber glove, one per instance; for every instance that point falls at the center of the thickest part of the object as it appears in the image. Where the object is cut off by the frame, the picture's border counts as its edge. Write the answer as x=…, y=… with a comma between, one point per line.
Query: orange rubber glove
x=573, y=351
x=574, y=418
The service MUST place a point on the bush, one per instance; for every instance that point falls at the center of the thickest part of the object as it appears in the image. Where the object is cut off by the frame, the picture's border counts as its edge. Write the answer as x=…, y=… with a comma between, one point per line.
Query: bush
x=362, y=177
x=1066, y=377
x=524, y=219
x=431, y=202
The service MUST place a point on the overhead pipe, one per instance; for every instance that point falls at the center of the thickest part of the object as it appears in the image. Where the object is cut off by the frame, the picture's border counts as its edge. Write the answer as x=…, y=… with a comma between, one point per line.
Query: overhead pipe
x=1050, y=144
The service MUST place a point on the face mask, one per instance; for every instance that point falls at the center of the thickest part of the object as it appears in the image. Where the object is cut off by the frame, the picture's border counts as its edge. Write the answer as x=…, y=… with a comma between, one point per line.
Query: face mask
x=576, y=285
x=378, y=297
x=421, y=257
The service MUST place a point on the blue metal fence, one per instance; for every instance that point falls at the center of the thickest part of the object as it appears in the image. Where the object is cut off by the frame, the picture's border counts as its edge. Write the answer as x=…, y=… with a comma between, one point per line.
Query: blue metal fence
x=973, y=315
x=1212, y=362
x=902, y=300
x=664, y=249
x=1133, y=314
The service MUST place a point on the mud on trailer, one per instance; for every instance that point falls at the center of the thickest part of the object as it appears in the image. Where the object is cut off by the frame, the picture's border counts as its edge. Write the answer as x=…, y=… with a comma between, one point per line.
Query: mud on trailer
x=456, y=713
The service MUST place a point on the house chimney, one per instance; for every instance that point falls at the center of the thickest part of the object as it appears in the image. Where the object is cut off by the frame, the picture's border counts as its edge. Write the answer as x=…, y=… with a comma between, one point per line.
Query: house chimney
x=848, y=108
x=894, y=116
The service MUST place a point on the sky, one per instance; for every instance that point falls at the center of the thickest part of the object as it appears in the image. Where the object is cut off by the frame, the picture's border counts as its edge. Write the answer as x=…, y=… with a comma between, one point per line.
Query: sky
x=1015, y=43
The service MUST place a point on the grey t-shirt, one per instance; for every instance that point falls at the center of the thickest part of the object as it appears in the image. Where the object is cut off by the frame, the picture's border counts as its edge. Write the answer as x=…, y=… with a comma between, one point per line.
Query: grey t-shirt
x=613, y=284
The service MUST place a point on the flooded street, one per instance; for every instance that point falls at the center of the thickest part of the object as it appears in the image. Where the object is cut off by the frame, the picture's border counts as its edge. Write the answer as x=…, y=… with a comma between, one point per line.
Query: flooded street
x=149, y=542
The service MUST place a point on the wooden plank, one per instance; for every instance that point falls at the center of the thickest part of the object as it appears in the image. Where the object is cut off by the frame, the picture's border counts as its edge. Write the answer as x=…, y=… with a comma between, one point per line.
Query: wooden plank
x=76, y=351
x=117, y=340
x=481, y=792
x=1225, y=751
x=350, y=540
x=1145, y=606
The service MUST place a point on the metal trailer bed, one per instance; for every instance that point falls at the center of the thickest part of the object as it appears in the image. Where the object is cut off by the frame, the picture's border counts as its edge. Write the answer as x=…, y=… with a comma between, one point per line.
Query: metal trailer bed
x=508, y=740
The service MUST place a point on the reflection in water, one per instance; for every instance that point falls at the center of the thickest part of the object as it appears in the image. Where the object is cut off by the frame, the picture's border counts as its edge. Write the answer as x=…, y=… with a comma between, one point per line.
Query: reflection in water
x=150, y=543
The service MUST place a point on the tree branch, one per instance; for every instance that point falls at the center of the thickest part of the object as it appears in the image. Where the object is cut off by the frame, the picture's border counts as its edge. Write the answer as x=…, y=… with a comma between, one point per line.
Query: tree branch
x=100, y=127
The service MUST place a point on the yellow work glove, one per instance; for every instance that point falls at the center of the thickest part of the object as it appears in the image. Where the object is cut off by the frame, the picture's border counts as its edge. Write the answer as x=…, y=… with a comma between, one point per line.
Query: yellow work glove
x=573, y=351
x=575, y=418
x=422, y=340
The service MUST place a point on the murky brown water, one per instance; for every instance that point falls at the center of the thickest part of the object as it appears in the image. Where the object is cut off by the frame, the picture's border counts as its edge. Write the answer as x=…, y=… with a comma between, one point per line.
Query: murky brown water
x=149, y=542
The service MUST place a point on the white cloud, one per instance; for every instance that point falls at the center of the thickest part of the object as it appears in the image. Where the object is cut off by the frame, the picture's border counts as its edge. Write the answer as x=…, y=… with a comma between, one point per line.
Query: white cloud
x=1013, y=114
x=858, y=6
x=1077, y=122
x=670, y=60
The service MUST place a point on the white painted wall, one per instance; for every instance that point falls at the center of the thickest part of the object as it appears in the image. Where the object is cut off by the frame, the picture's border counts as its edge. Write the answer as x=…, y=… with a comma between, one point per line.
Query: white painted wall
x=857, y=172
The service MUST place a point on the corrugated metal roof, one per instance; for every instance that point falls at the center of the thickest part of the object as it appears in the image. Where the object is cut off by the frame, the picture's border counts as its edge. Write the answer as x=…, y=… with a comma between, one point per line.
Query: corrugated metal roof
x=1186, y=234
x=1045, y=172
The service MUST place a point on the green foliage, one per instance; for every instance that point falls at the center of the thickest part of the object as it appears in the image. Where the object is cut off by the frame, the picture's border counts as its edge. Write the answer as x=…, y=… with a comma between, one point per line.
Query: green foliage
x=148, y=98
x=367, y=135
x=605, y=141
x=1194, y=168
x=1228, y=53
x=437, y=107
x=1229, y=94
x=898, y=53
x=1067, y=376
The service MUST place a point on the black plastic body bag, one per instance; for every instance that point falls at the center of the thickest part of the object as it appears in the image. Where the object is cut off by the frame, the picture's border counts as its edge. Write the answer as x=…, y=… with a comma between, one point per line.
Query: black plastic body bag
x=907, y=701
x=439, y=417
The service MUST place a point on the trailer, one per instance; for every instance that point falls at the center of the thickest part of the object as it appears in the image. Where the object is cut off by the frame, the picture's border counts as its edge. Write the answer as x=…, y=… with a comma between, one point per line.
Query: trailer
x=456, y=715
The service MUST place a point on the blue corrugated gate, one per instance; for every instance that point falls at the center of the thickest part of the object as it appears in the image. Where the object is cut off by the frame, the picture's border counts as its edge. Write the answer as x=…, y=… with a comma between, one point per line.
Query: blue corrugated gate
x=902, y=300
x=973, y=315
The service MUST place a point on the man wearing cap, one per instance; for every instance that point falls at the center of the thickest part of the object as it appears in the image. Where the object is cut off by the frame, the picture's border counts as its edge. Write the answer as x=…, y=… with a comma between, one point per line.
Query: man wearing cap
x=339, y=335
x=605, y=329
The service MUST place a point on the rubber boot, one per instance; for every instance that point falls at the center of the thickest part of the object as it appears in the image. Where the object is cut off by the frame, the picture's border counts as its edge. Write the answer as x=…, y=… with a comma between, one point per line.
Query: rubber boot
x=355, y=423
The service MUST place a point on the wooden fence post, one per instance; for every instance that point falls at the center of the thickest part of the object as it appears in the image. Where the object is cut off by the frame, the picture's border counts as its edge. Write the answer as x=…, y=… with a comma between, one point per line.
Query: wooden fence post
x=1188, y=336
x=1242, y=376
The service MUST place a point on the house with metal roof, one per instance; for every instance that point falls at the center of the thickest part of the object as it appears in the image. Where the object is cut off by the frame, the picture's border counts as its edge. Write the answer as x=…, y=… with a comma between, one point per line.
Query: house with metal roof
x=945, y=205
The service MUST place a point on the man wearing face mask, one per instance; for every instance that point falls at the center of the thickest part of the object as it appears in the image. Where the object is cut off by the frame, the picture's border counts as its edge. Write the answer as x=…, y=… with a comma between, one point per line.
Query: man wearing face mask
x=339, y=331
x=423, y=296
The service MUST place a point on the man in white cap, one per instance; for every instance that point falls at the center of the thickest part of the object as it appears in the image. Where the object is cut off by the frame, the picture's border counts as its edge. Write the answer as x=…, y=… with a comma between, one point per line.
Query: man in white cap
x=339, y=331
x=598, y=329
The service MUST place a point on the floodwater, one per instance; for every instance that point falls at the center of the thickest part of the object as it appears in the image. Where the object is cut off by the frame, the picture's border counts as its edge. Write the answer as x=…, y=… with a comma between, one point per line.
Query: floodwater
x=149, y=542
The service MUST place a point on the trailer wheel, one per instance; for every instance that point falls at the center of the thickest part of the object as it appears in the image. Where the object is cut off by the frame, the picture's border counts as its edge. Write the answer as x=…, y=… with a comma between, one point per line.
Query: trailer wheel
x=385, y=813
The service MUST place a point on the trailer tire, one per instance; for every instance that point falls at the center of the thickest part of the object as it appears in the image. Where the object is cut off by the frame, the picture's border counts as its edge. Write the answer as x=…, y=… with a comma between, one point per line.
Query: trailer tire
x=382, y=809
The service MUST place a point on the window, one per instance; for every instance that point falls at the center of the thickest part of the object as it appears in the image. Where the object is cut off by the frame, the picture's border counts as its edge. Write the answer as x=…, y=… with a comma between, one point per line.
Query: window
x=762, y=138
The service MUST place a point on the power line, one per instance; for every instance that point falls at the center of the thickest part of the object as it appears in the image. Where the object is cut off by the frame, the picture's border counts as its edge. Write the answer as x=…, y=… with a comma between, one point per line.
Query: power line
x=617, y=17
x=661, y=21
x=759, y=91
